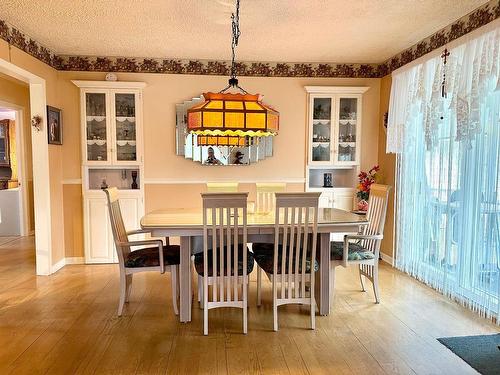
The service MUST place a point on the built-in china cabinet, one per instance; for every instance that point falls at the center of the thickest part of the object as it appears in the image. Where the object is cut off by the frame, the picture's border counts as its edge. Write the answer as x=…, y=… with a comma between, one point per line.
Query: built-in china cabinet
x=333, y=143
x=112, y=155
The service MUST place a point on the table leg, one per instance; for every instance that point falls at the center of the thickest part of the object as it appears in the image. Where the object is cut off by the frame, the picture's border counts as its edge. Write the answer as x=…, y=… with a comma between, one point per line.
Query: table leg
x=185, y=280
x=324, y=274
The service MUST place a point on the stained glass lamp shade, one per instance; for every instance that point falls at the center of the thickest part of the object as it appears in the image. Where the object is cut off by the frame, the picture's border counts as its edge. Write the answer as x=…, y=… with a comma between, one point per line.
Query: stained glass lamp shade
x=231, y=119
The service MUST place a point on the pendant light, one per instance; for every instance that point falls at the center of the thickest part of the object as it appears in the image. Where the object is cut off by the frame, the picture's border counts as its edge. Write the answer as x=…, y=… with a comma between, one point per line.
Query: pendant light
x=228, y=118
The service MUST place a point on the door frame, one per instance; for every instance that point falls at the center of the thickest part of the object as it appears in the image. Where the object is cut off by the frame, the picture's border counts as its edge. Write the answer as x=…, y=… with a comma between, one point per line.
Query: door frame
x=41, y=174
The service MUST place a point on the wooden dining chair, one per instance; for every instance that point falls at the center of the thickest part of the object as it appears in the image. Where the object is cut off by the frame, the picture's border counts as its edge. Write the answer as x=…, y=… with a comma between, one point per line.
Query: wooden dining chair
x=290, y=262
x=265, y=201
x=365, y=251
x=226, y=261
x=154, y=257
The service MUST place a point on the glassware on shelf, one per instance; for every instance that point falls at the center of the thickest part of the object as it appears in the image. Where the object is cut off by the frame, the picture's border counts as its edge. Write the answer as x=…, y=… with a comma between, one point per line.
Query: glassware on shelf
x=322, y=109
x=125, y=127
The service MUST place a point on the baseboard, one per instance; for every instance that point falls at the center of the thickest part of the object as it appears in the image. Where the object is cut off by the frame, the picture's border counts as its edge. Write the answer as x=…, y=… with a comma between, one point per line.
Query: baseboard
x=56, y=267
x=386, y=258
x=65, y=261
x=75, y=260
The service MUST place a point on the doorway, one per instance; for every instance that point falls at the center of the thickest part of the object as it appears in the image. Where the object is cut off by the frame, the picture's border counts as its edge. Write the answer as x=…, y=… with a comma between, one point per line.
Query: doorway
x=16, y=212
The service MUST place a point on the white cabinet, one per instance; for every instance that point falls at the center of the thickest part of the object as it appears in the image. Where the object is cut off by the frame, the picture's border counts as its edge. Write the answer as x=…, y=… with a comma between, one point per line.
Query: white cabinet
x=325, y=200
x=343, y=198
x=99, y=243
x=334, y=138
x=335, y=118
x=111, y=114
x=112, y=156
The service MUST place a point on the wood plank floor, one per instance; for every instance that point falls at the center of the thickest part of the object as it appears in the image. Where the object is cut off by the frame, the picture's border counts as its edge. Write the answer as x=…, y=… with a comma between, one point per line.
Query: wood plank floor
x=67, y=324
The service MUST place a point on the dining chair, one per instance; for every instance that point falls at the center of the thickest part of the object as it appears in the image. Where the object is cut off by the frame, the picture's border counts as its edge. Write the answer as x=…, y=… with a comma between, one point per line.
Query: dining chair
x=226, y=261
x=154, y=257
x=265, y=201
x=290, y=262
x=365, y=251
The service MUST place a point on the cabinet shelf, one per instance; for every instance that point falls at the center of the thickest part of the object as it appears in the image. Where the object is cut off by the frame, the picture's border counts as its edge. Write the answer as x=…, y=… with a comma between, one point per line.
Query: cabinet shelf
x=96, y=118
x=125, y=118
x=98, y=142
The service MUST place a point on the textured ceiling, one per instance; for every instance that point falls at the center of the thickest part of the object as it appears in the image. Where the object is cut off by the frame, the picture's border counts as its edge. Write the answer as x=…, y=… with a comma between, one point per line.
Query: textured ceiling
x=357, y=31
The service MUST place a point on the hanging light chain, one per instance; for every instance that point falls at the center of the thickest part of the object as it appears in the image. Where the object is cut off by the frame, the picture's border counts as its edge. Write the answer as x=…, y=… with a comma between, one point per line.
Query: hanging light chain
x=235, y=27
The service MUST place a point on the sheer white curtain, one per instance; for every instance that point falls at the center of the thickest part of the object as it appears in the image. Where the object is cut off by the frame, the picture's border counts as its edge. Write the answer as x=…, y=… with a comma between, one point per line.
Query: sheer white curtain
x=448, y=177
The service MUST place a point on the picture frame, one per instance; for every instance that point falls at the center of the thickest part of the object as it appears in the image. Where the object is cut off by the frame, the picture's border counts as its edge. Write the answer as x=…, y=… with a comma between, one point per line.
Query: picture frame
x=54, y=126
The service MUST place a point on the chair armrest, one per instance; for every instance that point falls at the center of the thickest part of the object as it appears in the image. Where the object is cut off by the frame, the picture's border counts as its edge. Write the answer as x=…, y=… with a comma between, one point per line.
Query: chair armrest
x=138, y=231
x=158, y=243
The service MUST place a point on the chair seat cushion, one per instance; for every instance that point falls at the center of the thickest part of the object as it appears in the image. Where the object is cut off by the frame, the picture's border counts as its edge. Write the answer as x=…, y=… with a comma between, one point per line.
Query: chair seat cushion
x=150, y=257
x=264, y=256
x=198, y=262
x=356, y=252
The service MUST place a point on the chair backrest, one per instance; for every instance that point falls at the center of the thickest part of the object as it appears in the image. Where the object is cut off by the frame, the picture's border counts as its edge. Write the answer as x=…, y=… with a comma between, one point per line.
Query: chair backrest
x=222, y=187
x=225, y=225
x=295, y=228
x=266, y=201
x=377, y=210
x=117, y=224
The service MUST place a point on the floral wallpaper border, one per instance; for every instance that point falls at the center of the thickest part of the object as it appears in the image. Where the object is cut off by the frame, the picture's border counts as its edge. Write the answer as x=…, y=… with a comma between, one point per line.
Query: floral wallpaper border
x=479, y=17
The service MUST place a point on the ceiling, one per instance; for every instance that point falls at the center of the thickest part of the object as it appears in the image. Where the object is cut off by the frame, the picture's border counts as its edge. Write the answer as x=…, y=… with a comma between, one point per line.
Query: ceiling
x=339, y=31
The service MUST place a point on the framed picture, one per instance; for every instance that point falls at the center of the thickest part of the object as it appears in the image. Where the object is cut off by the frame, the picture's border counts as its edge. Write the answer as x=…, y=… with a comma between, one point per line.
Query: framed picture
x=54, y=125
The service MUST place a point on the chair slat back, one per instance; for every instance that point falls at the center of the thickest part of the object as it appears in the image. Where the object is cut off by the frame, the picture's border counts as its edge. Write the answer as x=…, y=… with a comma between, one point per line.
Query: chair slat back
x=295, y=228
x=117, y=224
x=266, y=200
x=225, y=226
x=377, y=210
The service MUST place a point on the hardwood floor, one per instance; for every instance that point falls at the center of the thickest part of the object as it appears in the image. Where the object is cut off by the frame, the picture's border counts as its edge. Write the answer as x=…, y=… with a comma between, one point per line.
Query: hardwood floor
x=67, y=324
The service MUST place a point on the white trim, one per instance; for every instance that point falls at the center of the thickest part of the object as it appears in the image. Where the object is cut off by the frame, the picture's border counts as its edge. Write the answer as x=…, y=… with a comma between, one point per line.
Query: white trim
x=75, y=260
x=171, y=181
x=386, y=258
x=56, y=267
x=73, y=181
x=41, y=173
x=109, y=84
x=336, y=89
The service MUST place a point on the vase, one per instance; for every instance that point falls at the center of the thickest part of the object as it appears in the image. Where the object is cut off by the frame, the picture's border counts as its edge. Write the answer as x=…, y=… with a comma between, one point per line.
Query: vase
x=362, y=205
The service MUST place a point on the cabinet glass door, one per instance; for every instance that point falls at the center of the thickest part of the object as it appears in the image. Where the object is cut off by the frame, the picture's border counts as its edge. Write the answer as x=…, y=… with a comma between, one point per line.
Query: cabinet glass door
x=347, y=131
x=97, y=135
x=125, y=123
x=321, y=130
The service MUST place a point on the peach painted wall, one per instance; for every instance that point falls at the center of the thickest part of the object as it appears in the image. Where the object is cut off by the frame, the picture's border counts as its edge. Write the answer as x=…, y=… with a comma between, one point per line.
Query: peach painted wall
x=387, y=164
x=165, y=172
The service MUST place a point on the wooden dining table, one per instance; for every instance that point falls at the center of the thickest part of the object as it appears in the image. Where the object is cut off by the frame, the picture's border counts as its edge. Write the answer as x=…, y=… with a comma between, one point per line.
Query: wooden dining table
x=188, y=225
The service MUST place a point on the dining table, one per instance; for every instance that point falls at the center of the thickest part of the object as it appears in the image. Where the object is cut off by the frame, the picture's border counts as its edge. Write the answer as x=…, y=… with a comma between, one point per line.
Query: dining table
x=187, y=223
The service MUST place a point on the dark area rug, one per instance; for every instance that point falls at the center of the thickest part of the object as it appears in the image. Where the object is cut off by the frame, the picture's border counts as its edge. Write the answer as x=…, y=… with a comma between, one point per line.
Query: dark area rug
x=481, y=352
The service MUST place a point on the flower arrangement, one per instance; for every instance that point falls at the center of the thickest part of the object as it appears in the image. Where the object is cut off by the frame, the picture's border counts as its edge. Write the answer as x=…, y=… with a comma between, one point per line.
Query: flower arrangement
x=366, y=179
